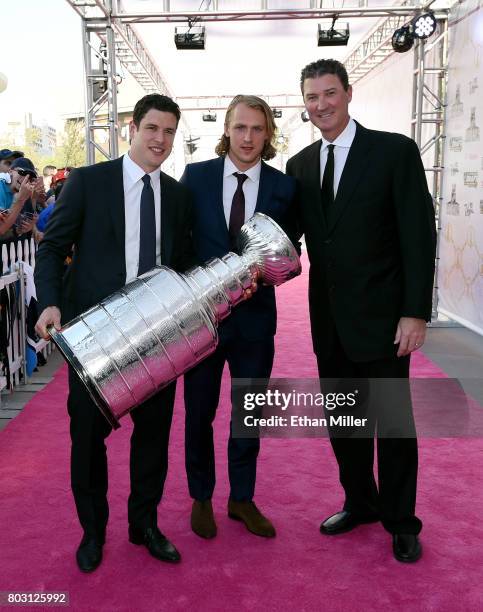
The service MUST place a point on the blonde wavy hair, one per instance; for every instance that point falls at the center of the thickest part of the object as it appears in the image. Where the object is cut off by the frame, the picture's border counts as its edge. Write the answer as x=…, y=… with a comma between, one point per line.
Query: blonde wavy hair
x=269, y=150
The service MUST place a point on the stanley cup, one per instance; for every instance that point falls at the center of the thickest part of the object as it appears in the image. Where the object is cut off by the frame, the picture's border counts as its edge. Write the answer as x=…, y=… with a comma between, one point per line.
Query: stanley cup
x=142, y=337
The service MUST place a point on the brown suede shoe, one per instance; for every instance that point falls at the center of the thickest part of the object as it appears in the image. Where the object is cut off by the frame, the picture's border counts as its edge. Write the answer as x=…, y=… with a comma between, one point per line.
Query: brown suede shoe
x=254, y=520
x=202, y=519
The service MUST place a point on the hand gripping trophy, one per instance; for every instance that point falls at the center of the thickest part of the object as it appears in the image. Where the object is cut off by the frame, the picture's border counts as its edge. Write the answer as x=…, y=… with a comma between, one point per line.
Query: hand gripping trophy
x=160, y=325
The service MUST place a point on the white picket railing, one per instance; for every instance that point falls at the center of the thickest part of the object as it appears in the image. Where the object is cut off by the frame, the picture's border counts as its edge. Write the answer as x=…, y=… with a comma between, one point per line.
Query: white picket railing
x=14, y=256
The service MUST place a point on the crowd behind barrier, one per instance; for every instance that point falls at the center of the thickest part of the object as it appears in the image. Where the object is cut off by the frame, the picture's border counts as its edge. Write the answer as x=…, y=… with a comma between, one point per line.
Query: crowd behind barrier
x=19, y=348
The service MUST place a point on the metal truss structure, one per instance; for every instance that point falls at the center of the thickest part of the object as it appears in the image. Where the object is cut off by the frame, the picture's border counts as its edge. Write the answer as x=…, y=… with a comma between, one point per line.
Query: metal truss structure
x=107, y=40
x=109, y=36
x=266, y=14
x=428, y=123
x=374, y=49
x=279, y=101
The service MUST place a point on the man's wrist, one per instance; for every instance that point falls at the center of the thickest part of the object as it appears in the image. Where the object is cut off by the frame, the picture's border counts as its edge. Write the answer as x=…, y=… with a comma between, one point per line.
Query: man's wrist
x=19, y=200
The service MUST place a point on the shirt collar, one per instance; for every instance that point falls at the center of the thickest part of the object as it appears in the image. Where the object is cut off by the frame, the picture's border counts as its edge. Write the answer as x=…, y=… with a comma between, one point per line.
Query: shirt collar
x=253, y=173
x=135, y=173
x=345, y=138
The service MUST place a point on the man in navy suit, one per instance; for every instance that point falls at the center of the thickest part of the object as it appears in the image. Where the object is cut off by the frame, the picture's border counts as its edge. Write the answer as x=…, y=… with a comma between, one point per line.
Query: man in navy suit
x=227, y=191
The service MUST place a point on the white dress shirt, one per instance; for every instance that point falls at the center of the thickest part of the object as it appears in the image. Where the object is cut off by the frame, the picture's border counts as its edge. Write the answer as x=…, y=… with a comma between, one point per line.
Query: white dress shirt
x=250, y=188
x=133, y=186
x=342, y=144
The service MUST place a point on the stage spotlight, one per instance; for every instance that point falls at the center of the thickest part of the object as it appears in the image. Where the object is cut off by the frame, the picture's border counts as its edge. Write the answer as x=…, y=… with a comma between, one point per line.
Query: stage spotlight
x=277, y=112
x=304, y=115
x=424, y=25
x=192, y=37
x=331, y=37
x=209, y=116
x=402, y=39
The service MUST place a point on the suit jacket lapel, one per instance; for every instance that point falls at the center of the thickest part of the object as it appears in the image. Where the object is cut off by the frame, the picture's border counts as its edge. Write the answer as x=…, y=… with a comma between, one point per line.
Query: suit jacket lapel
x=312, y=168
x=354, y=169
x=214, y=188
x=265, y=190
x=115, y=201
x=168, y=202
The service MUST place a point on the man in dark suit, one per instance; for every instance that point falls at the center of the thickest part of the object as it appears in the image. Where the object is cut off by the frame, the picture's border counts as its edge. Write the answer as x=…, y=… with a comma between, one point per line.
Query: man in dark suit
x=368, y=222
x=227, y=191
x=121, y=217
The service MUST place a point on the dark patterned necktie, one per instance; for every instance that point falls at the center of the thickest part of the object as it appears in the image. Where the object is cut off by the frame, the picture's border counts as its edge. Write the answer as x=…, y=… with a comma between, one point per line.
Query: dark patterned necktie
x=147, y=228
x=237, y=213
x=327, y=189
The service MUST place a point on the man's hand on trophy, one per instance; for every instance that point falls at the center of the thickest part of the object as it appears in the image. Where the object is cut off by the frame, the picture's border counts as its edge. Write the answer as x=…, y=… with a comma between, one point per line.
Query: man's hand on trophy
x=50, y=316
x=251, y=290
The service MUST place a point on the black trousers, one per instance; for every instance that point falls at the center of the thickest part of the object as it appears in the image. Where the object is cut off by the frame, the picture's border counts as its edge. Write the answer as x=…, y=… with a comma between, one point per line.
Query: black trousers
x=148, y=460
x=394, y=500
x=202, y=393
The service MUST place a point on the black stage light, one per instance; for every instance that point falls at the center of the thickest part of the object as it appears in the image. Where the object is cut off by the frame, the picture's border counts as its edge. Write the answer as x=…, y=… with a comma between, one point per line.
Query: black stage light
x=402, y=39
x=277, y=112
x=332, y=37
x=190, y=144
x=192, y=37
x=209, y=116
x=424, y=25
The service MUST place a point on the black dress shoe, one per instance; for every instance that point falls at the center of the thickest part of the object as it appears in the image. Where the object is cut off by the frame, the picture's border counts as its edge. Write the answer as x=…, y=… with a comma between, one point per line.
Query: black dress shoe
x=406, y=547
x=89, y=553
x=157, y=544
x=344, y=521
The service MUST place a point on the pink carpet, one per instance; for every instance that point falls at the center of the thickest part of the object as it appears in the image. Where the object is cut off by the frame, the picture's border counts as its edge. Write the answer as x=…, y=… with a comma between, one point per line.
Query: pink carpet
x=297, y=487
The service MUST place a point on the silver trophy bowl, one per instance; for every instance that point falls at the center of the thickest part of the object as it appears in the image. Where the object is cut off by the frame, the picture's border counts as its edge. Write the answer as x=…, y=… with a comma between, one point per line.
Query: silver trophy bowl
x=142, y=337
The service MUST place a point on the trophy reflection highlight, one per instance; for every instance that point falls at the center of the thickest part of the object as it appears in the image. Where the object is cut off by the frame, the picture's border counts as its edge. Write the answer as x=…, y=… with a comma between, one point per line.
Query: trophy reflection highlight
x=154, y=329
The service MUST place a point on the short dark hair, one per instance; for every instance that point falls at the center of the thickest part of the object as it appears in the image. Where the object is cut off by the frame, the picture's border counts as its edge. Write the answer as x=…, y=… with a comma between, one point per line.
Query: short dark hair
x=158, y=102
x=324, y=66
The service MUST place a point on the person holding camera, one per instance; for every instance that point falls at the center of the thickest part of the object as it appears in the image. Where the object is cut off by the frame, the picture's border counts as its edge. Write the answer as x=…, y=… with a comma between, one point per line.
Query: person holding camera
x=14, y=197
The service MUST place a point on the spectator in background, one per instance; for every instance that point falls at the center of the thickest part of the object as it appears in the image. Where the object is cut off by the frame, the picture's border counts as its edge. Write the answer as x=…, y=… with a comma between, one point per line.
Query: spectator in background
x=39, y=196
x=48, y=174
x=5, y=161
x=58, y=178
x=44, y=216
x=14, y=197
x=6, y=158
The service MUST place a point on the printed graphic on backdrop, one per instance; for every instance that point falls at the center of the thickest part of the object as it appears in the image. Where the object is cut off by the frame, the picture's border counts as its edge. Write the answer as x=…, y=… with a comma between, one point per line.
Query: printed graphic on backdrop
x=461, y=249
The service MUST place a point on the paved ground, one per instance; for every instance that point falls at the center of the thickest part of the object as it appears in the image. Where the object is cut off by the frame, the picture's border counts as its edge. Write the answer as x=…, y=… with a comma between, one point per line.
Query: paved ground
x=12, y=403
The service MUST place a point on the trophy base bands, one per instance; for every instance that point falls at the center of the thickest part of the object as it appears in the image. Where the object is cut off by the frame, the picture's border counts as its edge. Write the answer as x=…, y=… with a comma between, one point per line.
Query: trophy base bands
x=32, y=598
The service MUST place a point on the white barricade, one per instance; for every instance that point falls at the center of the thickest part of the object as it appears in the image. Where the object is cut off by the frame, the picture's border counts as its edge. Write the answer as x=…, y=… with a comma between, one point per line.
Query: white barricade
x=14, y=256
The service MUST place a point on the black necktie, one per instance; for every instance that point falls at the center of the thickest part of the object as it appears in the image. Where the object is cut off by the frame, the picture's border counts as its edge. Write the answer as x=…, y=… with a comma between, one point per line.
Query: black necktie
x=147, y=228
x=328, y=181
x=237, y=213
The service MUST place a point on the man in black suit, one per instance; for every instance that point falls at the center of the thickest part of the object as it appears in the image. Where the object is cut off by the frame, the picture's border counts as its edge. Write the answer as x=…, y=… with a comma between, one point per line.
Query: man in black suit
x=226, y=192
x=121, y=217
x=368, y=222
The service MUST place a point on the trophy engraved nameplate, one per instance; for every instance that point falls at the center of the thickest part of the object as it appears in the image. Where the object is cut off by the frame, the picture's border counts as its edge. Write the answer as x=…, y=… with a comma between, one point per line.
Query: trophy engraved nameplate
x=142, y=337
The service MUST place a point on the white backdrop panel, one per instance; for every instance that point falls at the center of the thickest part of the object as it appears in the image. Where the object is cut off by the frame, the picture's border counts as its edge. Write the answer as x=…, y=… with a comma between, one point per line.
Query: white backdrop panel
x=460, y=276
